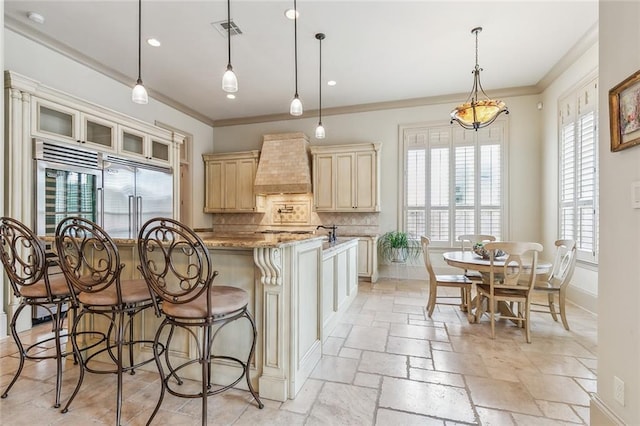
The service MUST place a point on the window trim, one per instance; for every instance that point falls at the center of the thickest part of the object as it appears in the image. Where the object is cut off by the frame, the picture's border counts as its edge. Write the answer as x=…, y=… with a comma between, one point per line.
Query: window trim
x=402, y=175
x=573, y=93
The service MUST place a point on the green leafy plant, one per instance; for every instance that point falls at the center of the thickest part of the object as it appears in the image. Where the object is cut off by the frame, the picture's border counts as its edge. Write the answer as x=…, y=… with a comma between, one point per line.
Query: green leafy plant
x=397, y=246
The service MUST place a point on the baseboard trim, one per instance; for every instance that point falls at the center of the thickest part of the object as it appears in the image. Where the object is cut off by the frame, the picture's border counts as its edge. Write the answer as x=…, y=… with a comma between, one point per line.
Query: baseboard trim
x=600, y=414
x=582, y=299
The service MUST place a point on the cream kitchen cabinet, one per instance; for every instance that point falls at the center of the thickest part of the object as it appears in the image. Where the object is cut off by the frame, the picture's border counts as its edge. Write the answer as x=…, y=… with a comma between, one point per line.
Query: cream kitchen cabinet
x=144, y=146
x=339, y=281
x=368, y=258
x=59, y=122
x=229, y=180
x=346, y=178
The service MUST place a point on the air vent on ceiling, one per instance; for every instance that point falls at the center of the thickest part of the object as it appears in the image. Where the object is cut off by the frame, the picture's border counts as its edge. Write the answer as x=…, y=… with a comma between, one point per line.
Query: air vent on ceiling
x=222, y=28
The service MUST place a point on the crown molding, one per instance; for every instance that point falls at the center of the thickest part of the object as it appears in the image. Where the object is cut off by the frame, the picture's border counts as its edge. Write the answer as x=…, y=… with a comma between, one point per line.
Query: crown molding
x=585, y=43
x=453, y=99
x=73, y=54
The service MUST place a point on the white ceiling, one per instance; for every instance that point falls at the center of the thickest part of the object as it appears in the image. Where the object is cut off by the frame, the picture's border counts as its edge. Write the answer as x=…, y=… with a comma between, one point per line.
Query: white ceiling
x=377, y=51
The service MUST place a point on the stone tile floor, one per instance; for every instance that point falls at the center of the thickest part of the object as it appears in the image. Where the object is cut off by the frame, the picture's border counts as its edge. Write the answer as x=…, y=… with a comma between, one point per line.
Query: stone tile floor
x=386, y=363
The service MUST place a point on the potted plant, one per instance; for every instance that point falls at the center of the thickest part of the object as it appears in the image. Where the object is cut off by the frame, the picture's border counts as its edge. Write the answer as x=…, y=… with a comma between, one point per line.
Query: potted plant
x=397, y=246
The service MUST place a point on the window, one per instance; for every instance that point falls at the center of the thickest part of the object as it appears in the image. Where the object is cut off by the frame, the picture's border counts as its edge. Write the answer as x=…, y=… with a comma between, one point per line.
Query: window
x=578, y=170
x=453, y=182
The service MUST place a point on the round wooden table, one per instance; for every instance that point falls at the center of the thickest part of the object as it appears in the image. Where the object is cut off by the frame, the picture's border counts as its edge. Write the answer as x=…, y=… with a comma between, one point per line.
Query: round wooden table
x=468, y=260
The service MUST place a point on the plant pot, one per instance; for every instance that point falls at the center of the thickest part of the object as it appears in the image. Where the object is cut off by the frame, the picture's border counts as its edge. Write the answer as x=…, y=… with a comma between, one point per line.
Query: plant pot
x=399, y=254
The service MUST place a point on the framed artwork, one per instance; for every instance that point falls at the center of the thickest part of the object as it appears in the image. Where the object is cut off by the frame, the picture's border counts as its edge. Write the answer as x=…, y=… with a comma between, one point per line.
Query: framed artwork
x=624, y=113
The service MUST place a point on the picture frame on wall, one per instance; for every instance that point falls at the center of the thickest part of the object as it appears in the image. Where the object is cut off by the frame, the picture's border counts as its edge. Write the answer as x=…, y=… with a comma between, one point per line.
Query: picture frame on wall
x=624, y=113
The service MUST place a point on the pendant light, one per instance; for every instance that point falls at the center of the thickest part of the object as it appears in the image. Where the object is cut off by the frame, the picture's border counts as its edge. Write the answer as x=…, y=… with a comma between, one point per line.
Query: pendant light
x=320, y=134
x=477, y=113
x=296, y=104
x=139, y=94
x=229, y=79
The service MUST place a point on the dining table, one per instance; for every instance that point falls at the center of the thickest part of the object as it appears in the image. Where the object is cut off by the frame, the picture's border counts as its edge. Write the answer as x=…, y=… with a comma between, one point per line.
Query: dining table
x=468, y=260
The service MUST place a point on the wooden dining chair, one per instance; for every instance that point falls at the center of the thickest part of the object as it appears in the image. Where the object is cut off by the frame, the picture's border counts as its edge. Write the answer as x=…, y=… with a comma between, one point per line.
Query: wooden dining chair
x=558, y=280
x=436, y=281
x=467, y=242
x=511, y=280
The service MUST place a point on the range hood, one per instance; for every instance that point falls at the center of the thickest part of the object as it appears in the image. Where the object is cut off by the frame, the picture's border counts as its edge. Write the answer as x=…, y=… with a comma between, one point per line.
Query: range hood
x=284, y=165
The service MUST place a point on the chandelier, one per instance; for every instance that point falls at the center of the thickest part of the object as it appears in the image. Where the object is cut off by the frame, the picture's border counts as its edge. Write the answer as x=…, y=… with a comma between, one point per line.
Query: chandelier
x=475, y=113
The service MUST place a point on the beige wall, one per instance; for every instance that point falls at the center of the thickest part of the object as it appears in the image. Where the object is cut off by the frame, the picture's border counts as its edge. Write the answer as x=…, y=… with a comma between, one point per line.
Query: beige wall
x=619, y=269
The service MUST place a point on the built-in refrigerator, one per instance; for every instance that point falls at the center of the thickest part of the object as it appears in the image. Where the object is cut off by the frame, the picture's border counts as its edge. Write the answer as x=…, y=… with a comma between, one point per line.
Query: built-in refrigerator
x=134, y=193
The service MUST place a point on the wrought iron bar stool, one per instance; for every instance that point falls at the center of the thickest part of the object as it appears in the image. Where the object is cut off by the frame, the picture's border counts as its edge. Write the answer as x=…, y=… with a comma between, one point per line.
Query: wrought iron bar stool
x=178, y=269
x=90, y=261
x=24, y=259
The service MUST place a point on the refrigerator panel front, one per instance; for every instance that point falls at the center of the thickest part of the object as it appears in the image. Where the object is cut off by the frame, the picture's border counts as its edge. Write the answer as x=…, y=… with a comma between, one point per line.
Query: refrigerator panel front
x=119, y=201
x=154, y=190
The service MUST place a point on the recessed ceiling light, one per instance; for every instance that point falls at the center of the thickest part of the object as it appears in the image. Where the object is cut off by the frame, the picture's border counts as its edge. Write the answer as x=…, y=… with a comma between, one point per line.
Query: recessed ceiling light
x=331, y=83
x=153, y=42
x=36, y=17
x=291, y=14
x=231, y=96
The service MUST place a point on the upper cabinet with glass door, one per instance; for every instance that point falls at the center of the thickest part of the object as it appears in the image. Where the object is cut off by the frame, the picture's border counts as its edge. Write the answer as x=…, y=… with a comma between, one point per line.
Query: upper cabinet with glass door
x=144, y=146
x=58, y=122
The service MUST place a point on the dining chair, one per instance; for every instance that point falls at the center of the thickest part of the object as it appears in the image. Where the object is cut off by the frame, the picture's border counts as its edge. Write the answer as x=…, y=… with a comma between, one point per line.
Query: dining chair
x=435, y=281
x=29, y=271
x=467, y=242
x=510, y=281
x=90, y=261
x=558, y=280
x=178, y=269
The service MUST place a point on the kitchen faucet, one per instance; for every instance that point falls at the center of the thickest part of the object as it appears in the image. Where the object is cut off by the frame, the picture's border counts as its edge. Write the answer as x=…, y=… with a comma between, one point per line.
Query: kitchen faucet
x=332, y=232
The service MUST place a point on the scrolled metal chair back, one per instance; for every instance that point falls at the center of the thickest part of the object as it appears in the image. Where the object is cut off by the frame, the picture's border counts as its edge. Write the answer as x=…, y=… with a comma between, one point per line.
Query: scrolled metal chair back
x=174, y=260
x=88, y=256
x=22, y=254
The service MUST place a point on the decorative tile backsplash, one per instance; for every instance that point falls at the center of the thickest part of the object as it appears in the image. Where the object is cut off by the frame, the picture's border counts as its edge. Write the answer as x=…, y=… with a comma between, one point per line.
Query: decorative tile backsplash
x=294, y=212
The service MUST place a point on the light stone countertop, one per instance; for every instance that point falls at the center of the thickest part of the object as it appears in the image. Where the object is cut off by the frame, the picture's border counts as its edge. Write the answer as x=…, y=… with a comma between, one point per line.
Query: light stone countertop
x=235, y=240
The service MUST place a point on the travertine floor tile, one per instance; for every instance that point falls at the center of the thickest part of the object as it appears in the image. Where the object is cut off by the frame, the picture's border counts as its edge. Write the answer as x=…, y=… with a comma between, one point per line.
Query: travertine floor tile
x=426, y=398
x=501, y=395
x=390, y=417
x=418, y=332
x=368, y=338
x=384, y=364
x=343, y=404
x=305, y=397
x=404, y=346
x=335, y=369
x=555, y=388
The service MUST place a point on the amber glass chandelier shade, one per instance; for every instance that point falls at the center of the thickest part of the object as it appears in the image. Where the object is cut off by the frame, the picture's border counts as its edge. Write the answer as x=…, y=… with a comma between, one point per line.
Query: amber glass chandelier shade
x=477, y=112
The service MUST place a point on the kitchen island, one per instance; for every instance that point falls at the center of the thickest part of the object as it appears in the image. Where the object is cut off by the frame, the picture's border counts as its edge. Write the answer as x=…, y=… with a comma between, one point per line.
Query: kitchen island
x=294, y=296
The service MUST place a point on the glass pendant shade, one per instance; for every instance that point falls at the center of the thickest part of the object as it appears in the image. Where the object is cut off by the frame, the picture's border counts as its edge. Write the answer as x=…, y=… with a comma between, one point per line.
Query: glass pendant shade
x=296, y=106
x=320, y=131
x=139, y=93
x=477, y=113
x=229, y=80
